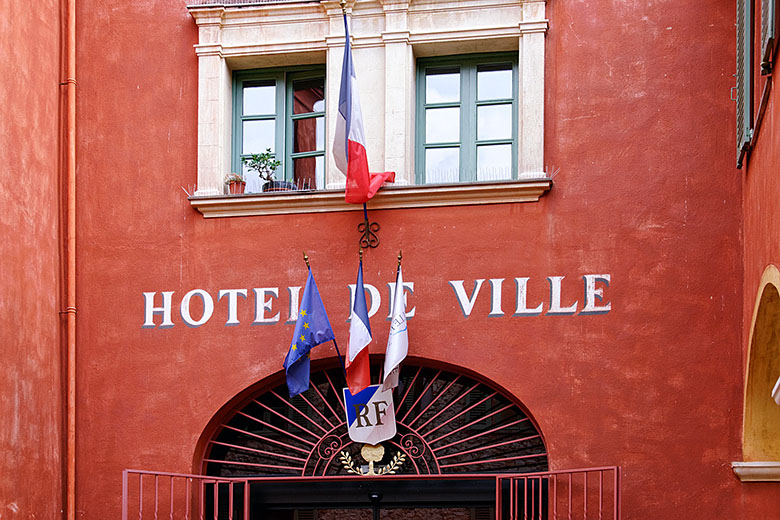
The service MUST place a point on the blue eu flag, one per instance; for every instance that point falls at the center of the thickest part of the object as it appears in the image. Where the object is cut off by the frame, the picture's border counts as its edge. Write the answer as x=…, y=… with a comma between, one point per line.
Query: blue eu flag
x=311, y=329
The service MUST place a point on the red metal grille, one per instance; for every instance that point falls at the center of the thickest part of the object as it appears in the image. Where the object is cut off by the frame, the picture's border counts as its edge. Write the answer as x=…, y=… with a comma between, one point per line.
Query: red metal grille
x=592, y=493
x=447, y=423
x=587, y=494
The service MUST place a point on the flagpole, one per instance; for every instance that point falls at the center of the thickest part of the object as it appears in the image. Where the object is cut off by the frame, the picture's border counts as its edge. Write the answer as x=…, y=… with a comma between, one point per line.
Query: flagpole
x=341, y=359
x=338, y=353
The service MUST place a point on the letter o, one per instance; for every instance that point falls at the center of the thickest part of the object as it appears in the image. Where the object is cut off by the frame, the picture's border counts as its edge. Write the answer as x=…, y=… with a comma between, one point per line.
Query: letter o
x=208, y=308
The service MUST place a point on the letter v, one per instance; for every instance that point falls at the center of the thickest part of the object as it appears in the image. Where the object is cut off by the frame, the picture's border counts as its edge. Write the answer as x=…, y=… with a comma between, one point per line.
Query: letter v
x=466, y=303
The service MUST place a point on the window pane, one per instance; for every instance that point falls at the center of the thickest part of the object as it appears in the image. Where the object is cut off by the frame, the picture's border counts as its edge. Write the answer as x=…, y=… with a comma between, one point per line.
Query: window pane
x=259, y=98
x=308, y=96
x=442, y=85
x=494, y=82
x=442, y=165
x=258, y=135
x=442, y=125
x=494, y=122
x=494, y=162
x=254, y=184
x=307, y=171
x=309, y=134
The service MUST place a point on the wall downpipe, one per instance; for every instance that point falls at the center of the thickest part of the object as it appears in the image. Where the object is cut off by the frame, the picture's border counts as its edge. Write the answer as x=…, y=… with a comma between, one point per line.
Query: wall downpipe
x=70, y=292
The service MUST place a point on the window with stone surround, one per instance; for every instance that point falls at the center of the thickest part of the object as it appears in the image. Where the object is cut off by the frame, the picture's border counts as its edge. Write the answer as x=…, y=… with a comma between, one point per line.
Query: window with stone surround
x=390, y=38
x=466, y=118
x=281, y=110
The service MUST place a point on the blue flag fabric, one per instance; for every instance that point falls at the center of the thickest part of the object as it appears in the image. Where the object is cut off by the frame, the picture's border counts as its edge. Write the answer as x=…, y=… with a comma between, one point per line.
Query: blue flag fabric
x=311, y=329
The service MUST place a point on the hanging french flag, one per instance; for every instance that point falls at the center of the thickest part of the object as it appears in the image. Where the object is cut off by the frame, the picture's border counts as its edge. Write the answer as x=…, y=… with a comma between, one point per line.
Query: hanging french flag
x=349, y=146
x=358, y=370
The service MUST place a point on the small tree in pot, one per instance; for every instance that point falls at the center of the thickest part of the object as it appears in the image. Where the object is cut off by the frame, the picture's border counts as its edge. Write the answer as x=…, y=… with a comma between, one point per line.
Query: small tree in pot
x=265, y=165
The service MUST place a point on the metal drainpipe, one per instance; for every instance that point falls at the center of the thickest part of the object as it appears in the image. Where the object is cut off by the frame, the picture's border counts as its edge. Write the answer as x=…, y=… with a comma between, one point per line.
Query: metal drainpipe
x=70, y=295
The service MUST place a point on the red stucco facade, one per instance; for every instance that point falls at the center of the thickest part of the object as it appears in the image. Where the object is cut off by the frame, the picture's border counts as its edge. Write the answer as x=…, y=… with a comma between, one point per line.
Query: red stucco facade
x=31, y=439
x=637, y=118
x=761, y=225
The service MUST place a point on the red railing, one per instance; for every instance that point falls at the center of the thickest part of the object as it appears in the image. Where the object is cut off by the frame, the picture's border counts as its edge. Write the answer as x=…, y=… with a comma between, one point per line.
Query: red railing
x=157, y=495
x=581, y=494
x=586, y=494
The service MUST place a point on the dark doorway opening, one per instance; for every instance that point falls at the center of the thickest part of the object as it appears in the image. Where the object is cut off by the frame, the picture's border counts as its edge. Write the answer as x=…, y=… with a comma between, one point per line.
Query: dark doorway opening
x=379, y=499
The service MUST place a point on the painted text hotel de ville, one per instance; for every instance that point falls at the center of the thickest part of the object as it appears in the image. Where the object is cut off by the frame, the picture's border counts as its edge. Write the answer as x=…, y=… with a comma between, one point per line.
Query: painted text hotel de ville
x=389, y=259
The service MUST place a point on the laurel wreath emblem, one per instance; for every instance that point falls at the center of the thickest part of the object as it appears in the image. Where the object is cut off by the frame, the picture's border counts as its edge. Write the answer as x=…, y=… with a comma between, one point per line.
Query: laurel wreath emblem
x=346, y=461
x=390, y=469
x=394, y=465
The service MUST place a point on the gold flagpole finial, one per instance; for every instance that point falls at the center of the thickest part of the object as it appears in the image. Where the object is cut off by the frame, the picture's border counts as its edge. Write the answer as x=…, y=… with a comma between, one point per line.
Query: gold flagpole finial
x=343, y=4
x=360, y=252
x=399, y=258
x=306, y=259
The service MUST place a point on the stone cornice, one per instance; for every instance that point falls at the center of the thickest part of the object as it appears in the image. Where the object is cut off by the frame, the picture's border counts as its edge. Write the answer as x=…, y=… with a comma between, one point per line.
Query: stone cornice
x=389, y=197
x=478, y=33
x=762, y=471
x=395, y=36
x=534, y=26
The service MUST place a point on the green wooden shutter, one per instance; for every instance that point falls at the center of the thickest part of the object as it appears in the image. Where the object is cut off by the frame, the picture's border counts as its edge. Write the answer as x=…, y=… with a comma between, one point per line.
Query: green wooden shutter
x=767, y=34
x=744, y=78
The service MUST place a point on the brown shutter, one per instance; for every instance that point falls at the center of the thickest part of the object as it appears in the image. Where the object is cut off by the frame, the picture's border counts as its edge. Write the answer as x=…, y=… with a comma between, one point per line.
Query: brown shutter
x=744, y=78
x=767, y=34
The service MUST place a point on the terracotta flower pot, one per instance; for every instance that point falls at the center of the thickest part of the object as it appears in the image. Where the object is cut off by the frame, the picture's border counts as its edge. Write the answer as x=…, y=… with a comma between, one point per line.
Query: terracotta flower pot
x=236, y=187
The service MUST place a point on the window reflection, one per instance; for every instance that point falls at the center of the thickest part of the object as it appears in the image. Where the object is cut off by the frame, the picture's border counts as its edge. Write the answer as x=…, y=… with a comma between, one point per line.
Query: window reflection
x=442, y=85
x=494, y=122
x=442, y=125
x=494, y=162
x=309, y=134
x=259, y=98
x=494, y=82
x=309, y=96
x=442, y=165
x=258, y=135
x=309, y=172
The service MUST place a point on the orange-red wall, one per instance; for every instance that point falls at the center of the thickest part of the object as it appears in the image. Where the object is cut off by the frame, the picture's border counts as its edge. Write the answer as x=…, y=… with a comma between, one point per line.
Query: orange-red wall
x=30, y=361
x=639, y=123
x=761, y=188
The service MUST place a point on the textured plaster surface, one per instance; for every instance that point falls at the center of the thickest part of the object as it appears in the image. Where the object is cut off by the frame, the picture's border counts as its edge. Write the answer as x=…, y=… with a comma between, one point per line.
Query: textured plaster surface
x=761, y=185
x=638, y=120
x=30, y=391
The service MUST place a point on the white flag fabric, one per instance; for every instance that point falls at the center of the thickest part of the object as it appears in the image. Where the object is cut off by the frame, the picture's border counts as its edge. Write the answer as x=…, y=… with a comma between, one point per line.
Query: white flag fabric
x=398, y=340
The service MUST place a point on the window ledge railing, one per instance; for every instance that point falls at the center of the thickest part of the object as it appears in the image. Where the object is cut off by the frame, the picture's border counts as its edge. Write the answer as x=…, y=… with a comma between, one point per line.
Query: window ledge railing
x=389, y=197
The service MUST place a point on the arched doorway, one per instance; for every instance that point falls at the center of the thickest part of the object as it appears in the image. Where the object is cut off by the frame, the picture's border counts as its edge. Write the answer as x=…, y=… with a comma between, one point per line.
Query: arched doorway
x=761, y=413
x=449, y=423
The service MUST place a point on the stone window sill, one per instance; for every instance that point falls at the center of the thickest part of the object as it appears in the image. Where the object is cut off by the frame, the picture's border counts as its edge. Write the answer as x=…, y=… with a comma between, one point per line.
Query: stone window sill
x=389, y=197
x=764, y=471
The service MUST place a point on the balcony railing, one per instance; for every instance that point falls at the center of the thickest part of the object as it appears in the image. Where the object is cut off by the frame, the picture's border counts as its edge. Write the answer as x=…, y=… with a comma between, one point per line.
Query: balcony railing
x=587, y=494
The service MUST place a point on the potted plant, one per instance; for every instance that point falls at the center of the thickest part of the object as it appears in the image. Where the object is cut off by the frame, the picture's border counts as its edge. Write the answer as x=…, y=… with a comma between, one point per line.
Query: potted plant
x=265, y=165
x=235, y=183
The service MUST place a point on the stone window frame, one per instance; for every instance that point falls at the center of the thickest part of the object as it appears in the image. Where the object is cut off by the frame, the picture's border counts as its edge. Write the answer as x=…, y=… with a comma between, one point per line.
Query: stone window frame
x=468, y=102
x=283, y=34
x=283, y=80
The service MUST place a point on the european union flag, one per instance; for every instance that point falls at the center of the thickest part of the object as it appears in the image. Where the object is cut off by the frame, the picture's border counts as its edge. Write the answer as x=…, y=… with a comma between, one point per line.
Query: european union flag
x=311, y=329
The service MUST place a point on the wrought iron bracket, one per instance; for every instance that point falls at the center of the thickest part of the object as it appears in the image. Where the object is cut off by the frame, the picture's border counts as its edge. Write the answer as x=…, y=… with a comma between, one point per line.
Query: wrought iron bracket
x=368, y=232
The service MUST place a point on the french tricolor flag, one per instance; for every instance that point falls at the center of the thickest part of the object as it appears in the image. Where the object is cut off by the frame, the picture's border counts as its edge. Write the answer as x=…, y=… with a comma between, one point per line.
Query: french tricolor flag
x=358, y=371
x=349, y=146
